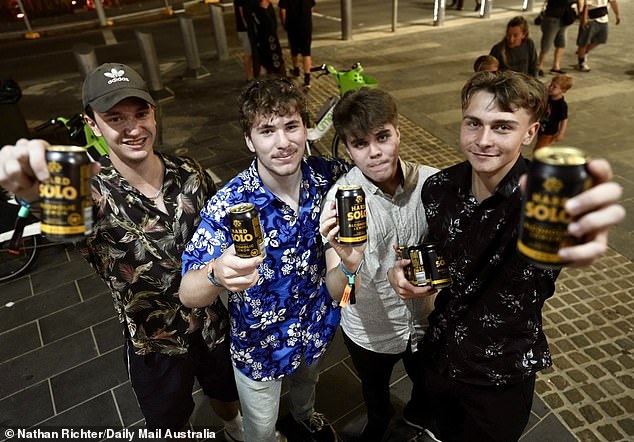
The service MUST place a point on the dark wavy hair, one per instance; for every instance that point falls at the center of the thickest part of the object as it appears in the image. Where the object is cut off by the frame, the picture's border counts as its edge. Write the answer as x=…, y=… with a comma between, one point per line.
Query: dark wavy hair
x=512, y=91
x=361, y=111
x=274, y=96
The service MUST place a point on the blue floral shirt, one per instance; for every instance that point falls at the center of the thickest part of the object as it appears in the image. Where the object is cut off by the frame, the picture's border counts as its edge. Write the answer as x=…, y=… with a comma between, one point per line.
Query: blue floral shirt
x=288, y=315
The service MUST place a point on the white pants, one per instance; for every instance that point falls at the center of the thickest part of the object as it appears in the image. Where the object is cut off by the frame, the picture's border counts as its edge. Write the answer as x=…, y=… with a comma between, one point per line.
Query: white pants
x=260, y=401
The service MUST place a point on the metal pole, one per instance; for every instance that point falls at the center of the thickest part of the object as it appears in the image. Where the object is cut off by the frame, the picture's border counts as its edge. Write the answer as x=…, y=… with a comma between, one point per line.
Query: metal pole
x=194, y=68
x=439, y=12
x=27, y=23
x=220, y=35
x=346, y=19
x=485, y=9
x=151, y=67
x=528, y=5
x=101, y=14
x=86, y=58
x=394, y=14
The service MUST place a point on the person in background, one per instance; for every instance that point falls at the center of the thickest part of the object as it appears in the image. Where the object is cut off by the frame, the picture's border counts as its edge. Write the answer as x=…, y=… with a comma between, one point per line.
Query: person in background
x=486, y=63
x=516, y=51
x=241, y=11
x=146, y=208
x=282, y=318
x=266, y=49
x=485, y=342
x=297, y=20
x=555, y=121
x=593, y=27
x=381, y=328
x=458, y=5
x=553, y=33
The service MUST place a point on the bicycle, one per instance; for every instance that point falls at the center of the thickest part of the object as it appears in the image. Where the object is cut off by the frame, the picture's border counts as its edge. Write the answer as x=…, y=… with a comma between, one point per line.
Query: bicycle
x=347, y=80
x=19, y=239
x=20, y=231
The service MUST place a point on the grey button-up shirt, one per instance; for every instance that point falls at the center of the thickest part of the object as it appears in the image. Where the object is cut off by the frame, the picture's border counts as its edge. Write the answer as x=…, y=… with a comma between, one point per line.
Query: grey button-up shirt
x=380, y=320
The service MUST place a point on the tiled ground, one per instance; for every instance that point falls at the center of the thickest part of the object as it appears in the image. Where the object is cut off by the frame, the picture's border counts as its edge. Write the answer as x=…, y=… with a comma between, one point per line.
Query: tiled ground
x=60, y=344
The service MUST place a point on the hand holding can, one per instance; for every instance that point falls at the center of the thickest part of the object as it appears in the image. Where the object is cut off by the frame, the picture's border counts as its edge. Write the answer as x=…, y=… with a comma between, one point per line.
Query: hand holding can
x=65, y=198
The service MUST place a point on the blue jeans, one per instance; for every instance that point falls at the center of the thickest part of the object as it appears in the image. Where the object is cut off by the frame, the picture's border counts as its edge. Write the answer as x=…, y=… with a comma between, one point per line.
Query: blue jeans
x=260, y=401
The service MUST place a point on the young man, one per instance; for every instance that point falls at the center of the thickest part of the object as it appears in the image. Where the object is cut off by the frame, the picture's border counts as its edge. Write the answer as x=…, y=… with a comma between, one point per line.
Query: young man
x=380, y=328
x=282, y=318
x=593, y=27
x=146, y=207
x=485, y=341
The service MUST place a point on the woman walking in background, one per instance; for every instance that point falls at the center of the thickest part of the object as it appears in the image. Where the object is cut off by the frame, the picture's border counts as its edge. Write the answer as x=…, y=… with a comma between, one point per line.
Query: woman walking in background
x=554, y=29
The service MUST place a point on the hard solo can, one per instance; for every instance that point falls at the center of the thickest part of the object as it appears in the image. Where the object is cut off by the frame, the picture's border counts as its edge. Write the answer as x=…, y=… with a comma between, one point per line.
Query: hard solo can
x=351, y=215
x=65, y=199
x=246, y=232
x=417, y=272
x=437, y=269
x=555, y=175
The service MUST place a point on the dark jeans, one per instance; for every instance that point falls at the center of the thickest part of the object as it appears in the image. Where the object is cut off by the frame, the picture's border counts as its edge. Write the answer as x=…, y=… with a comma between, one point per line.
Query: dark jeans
x=466, y=412
x=375, y=370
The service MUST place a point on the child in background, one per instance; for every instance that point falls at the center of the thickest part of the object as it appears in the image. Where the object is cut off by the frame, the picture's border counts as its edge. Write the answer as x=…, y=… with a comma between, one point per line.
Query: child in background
x=554, y=124
x=486, y=63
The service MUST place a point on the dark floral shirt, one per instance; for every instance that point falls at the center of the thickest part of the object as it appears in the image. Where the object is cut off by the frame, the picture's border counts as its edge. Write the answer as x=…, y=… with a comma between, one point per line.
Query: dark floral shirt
x=136, y=248
x=288, y=316
x=486, y=328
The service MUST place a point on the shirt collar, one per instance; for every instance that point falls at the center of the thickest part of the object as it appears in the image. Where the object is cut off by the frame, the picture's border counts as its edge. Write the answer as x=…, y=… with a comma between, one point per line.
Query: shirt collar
x=507, y=187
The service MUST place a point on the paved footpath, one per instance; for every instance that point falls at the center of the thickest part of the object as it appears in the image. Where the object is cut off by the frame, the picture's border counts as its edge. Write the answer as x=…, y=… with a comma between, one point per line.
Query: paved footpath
x=59, y=343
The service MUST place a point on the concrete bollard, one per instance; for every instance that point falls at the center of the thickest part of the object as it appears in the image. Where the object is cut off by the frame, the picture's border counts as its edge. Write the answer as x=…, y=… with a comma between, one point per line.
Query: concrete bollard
x=528, y=5
x=151, y=67
x=215, y=9
x=85, y=57
x=194, y=68
x=346, y=19
x=439, y=12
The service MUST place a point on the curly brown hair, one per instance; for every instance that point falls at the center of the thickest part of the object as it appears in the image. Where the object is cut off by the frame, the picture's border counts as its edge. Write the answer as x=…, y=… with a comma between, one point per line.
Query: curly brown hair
x=274, y=96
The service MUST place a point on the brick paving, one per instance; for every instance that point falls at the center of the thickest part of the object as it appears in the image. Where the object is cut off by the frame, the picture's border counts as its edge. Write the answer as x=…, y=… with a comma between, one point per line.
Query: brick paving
x=61, y=308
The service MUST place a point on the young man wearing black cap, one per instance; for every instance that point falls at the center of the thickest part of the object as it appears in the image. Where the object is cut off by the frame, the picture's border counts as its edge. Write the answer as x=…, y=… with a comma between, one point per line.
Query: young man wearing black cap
x=146, y=209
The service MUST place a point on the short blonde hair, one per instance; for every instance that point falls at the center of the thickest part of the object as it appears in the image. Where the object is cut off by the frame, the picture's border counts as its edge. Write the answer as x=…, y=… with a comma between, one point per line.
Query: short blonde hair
x=564, y=81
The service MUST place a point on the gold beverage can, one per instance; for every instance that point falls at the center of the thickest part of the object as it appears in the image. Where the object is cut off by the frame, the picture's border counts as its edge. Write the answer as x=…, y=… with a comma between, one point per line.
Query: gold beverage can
x=351, y=215
x=419, y=274
x=437, y=268
x=65, y=199
x=555, y=175
x=246, y=231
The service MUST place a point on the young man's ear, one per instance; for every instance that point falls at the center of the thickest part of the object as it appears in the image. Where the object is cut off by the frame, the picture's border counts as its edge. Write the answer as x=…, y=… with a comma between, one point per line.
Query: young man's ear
x=93, y=125
x=249, y=143
x=532, y=131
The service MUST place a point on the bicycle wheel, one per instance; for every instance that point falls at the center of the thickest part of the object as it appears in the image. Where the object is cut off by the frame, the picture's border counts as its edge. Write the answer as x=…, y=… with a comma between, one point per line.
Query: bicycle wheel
x=14, y=265
x=336, y=142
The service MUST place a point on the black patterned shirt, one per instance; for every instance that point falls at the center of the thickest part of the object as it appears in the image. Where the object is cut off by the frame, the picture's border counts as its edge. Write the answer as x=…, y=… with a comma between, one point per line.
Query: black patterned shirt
x=486, y=329
x=136, y=248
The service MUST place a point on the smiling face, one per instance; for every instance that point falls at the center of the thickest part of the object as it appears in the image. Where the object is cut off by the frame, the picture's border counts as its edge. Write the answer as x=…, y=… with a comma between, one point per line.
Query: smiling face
x=278, y=143
x=491, y=139
x=515, y=35
x=376, y=155
x=129, y=128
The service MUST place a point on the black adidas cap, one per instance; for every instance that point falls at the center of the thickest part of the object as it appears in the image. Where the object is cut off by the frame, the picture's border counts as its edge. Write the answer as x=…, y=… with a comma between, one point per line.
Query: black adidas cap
x=110, y=83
